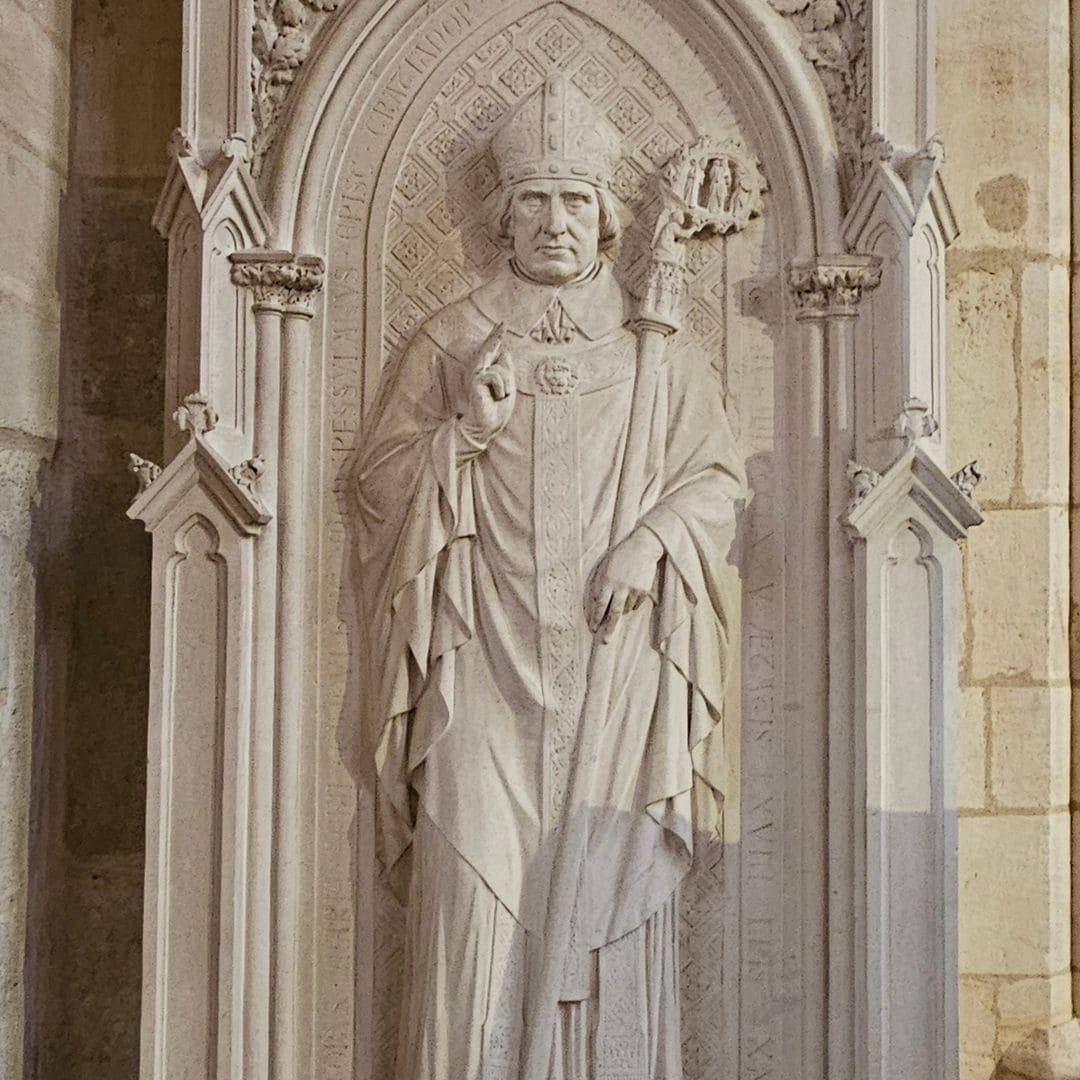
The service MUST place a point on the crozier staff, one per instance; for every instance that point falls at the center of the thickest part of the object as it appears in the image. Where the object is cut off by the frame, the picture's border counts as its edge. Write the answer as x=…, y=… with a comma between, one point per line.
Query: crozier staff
x=487, y=487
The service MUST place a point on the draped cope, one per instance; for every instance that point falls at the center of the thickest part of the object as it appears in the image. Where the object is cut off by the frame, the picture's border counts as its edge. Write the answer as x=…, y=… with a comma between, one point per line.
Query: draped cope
x=474, y=563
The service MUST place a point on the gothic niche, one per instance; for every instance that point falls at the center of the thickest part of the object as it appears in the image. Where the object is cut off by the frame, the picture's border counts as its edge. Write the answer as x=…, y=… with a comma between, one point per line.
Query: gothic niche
x=516, y=357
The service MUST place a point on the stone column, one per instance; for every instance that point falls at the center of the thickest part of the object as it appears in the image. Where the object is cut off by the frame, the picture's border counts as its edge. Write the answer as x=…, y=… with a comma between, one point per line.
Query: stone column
x=294, y=937
x=266, y=274
x=284, y=290
x=827, y=293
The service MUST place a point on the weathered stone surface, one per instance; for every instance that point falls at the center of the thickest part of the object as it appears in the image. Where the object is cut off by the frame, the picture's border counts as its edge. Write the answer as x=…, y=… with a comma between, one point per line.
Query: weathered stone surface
x=19, y=472
x=34, y=80
x=33, y=166
x=94, y=938
x=114, y=296
x=1029, y=644
x=1044, y=374
x=976, y=1066
x=33, y=158
x=30, y=240
x=1014, y=894
x=1003, y=113
x=1004, y=200
x=87, y=968
x=1033, y=1002
x=126, y=74
x=29, y=363
x=978, y=1015
x=972, y=749
x=1030, y=747
x=983, y=401
x=1003, y=85
x=1049, y=1054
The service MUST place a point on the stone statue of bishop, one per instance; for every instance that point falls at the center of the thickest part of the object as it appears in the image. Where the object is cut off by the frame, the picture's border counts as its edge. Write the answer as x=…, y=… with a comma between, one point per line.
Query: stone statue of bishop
x=487, y=479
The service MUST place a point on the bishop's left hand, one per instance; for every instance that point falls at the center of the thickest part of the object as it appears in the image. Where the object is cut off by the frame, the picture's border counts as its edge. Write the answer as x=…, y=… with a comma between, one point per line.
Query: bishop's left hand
x=622, y=581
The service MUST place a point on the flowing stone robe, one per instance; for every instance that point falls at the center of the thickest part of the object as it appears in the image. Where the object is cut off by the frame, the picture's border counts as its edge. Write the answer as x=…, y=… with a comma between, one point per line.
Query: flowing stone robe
x=474, y=565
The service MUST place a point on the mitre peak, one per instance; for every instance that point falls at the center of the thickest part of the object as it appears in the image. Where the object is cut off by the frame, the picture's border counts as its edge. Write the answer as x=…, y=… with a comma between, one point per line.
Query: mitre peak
x=555, y=133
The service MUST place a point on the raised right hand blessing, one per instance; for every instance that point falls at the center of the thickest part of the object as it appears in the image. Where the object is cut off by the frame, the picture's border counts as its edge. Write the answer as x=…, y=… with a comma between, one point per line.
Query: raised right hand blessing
x=492, y=391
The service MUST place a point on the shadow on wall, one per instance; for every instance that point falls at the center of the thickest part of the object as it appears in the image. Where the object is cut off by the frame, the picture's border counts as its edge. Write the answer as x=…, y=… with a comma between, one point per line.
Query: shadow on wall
x=92, y=650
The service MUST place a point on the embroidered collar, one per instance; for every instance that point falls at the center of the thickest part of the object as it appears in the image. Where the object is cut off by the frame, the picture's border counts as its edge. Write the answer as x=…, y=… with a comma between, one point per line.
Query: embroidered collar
x=596, y=304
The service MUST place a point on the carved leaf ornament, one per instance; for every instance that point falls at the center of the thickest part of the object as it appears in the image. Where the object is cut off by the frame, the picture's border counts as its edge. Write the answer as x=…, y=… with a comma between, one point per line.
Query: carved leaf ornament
x=281, y=40
x=834, y=40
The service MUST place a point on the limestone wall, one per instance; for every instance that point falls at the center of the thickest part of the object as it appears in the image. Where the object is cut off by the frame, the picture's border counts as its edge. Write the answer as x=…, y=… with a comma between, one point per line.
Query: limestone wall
x=1004, y=113
x=33, y=173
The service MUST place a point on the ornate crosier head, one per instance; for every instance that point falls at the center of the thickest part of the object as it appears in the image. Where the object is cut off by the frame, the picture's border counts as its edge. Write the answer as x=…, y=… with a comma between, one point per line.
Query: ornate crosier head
x=555, y=155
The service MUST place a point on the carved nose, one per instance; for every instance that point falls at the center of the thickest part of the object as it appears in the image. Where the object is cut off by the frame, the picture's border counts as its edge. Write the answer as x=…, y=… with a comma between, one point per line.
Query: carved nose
x=556, y=218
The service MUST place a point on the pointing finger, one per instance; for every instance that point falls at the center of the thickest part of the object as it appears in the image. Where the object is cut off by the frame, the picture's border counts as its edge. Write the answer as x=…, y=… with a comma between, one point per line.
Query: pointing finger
x=492, y=344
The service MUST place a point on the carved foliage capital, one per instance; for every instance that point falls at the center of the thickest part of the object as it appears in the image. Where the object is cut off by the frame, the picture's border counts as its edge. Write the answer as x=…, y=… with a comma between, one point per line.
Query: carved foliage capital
x=833, y=286
x=278, y=280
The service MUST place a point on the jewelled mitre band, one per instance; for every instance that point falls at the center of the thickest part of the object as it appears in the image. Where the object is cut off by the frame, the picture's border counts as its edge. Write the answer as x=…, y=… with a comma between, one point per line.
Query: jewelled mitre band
x=555, y=134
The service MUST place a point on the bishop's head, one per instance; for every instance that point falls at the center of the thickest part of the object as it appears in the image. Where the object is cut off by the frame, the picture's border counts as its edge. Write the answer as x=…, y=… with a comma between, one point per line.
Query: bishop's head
x=555, y=156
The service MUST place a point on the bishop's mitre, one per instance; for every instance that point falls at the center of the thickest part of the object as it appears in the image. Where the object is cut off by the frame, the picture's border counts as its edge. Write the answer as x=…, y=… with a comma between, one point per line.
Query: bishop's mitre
x=556, y=134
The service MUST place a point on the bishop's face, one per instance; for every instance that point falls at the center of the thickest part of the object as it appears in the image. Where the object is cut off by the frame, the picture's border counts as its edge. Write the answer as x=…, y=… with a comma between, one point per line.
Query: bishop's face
x=555, y=228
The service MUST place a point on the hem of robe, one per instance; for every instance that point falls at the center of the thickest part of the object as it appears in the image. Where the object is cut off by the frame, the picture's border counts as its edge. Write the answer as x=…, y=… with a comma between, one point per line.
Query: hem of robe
x=463, y=946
